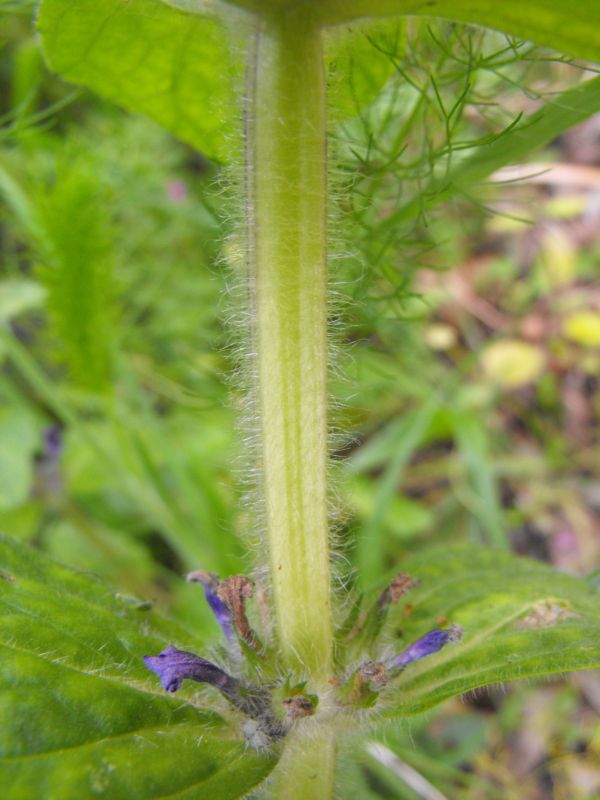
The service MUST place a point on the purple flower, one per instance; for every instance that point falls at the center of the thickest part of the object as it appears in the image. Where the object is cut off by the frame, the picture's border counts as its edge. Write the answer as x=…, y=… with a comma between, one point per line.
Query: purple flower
x=211, y=584
x=173, y=666
x=425, y=646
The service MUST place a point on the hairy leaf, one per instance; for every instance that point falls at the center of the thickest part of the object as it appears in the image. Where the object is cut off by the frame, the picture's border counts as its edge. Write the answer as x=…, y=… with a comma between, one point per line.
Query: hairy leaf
x=574, y=30
x=148, y=57
x=80, y=714
x=520, y=619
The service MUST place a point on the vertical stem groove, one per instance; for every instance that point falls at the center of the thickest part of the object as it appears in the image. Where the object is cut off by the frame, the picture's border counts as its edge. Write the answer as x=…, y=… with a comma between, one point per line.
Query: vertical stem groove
x=287, y=207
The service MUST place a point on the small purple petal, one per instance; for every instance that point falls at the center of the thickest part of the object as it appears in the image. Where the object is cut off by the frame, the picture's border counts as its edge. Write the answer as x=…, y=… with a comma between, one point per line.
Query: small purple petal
x=425, y=646
x=173, y=666
x=211, y=582
x=221, y=612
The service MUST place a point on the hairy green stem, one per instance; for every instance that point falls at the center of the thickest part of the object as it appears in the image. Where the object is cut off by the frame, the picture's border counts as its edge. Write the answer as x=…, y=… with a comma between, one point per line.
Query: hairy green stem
x=307, y=768
x=287, y=224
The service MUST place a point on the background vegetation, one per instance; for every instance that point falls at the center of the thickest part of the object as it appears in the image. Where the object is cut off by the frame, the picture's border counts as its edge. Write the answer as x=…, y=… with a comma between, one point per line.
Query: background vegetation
x=466, y=384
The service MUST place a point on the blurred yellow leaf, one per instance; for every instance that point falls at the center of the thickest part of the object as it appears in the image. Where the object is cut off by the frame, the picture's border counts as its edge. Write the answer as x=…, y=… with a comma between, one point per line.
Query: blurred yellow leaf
x=512, y=363
x=440, y=336
x=558, y=257
x=583, y=327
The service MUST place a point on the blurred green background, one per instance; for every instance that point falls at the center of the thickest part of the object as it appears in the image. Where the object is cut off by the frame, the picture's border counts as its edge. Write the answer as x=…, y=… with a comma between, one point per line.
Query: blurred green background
x=465, y=360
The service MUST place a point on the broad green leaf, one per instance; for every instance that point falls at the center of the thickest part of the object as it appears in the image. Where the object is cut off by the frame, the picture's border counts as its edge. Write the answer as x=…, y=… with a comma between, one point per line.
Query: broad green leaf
x=520, y=619
x=148, y=57
x=81, y=716
x=358, y=67
x=574, y=30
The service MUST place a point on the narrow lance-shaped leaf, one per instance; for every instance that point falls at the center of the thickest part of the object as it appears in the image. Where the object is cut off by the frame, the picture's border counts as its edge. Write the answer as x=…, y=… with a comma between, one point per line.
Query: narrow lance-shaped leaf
x=172, y=66
x=82, y=716
x=519, y=619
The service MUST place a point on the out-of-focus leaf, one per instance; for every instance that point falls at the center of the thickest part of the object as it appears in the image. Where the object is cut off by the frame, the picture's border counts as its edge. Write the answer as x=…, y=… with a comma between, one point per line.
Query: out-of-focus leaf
x=405, y=517
x=28, y=69
x=18, y=295
x=583, y=327
x=21, y=206
x=69, y=228
x=371, y=543
x=511, y=363
x=571, y=29
x=520, y=619
x=18, y=441
x=148, y=57
x=557, y=257
x=77, y=271
x=81, y=716
x=483, y=500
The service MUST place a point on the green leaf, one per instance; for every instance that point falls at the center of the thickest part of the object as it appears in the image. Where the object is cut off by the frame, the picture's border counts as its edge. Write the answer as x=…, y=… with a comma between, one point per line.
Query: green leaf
x=471, y=439
x=69, y=227
x=358, y=67
x=371, y=544
x=19, y=295
x=77, y=272
x=512, y=146
x=520, y=619
x=18, y=442
x=148, y=57
x=570, y=29
x=81, y=716
x=532, y=133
